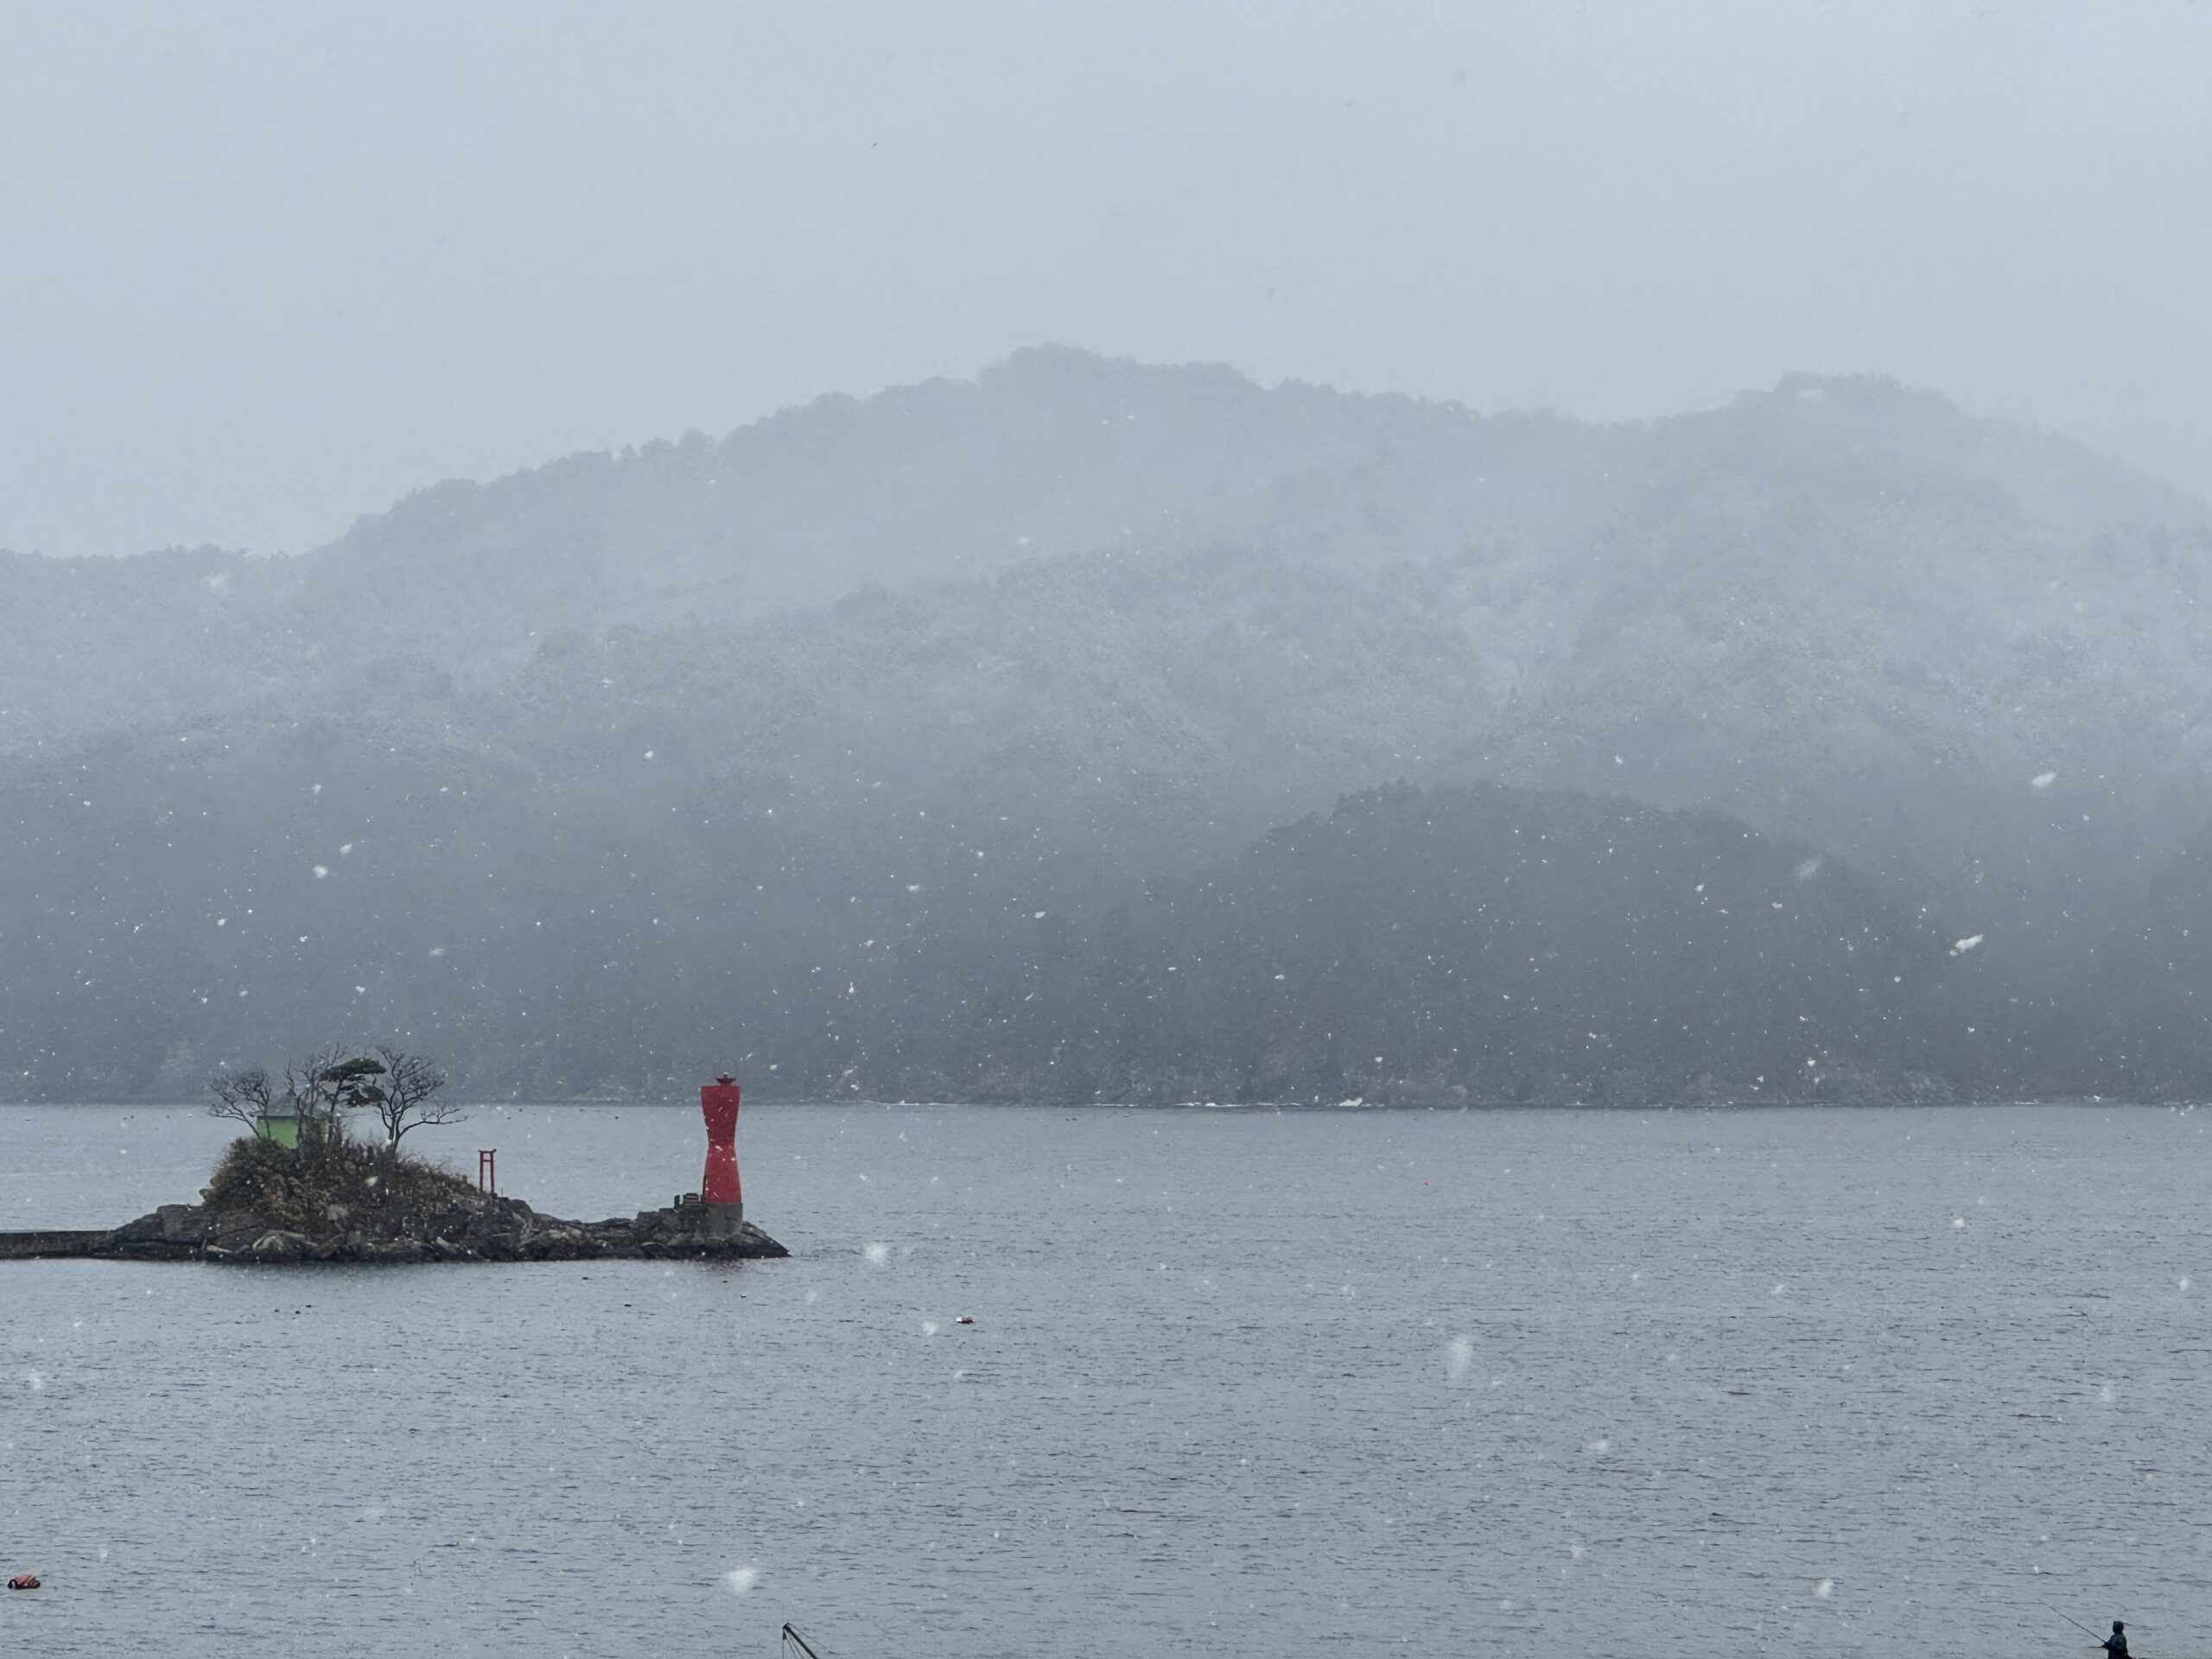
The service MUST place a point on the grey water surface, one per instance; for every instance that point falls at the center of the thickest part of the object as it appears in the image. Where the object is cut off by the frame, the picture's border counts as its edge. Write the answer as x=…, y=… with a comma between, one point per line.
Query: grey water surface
x=1648, y=1384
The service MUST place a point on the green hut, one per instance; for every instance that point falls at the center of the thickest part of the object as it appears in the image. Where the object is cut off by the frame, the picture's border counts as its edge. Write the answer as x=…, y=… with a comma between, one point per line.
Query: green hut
x=279, y=1123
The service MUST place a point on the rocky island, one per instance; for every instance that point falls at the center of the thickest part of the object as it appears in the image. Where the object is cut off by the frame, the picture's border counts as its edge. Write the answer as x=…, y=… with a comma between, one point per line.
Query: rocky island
x=495, y=1229
x=268, y=1204
x=296, y=1188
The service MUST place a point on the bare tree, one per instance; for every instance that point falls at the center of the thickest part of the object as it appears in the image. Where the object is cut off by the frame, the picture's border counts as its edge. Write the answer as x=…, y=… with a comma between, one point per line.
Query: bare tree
x=399, y=1088
x=246, y=1096
x=322, y=1086
x=327, y=1084
x=406, y=1099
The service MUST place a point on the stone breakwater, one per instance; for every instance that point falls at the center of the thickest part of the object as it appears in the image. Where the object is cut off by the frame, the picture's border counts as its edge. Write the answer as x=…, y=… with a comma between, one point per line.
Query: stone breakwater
x=471, y=1228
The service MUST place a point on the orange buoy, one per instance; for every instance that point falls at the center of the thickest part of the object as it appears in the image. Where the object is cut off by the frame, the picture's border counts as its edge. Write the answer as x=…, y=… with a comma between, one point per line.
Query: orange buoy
x=24, y=1581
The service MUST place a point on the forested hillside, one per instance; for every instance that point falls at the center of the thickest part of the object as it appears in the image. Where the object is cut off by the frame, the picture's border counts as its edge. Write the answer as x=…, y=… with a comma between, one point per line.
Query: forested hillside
x=819, y=743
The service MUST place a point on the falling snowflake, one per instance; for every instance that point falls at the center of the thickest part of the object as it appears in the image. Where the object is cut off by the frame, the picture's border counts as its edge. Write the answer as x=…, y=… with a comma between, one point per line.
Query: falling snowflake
x=1459, y=1354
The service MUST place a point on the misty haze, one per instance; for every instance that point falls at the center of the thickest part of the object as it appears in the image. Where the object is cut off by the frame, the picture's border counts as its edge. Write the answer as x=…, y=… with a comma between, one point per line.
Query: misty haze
x=1445, y=785
x=1094, y=731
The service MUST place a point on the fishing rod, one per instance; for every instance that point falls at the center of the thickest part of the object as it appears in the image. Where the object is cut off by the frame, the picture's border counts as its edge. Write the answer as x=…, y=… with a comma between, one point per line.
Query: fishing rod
x=2078, y=1626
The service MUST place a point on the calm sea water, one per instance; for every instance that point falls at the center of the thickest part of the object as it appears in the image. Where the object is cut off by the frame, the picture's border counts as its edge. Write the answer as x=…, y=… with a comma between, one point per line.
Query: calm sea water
x=1238, y=1383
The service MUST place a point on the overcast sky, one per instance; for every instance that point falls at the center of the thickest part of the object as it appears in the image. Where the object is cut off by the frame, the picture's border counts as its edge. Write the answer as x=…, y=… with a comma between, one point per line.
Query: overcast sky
x=264, y=268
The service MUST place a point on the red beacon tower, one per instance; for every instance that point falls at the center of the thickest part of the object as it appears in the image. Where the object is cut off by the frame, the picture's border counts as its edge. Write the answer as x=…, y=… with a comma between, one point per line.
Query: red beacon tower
x=720, y=1190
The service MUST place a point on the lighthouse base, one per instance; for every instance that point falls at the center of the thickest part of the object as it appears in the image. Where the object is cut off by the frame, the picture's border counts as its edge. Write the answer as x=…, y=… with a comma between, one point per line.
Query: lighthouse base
x=720, y=1220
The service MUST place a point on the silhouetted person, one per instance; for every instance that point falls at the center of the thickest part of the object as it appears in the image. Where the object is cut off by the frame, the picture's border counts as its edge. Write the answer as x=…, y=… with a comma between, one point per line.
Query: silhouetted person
x=2115, y=1645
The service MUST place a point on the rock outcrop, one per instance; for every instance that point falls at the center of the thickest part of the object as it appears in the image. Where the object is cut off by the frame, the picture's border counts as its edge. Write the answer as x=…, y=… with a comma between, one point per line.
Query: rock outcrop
x=465, y=1227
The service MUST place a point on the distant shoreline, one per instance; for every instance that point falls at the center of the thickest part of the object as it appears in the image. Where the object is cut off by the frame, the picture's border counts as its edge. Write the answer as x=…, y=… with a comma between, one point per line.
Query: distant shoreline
x=1747, y=1103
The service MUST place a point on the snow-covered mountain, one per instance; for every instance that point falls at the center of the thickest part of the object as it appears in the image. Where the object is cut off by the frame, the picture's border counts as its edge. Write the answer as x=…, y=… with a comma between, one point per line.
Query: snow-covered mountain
x=1107, y=623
